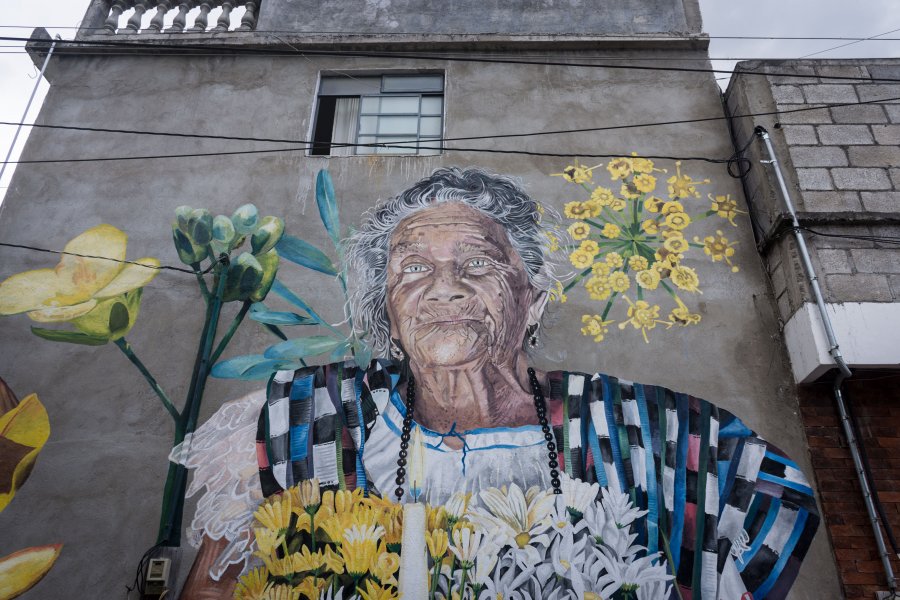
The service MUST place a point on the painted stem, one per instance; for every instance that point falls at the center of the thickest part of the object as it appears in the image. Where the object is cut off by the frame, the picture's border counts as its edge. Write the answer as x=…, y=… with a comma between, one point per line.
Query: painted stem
x=232, y=329
x=125, y=347
x=202, y=283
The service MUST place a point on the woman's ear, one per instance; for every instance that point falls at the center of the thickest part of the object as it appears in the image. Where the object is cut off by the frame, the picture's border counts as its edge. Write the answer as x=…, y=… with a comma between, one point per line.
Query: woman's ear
x=536, y=309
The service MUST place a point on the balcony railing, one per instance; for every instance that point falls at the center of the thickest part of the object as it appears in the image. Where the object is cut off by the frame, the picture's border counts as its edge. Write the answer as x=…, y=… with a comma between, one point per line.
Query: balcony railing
x=131, y=17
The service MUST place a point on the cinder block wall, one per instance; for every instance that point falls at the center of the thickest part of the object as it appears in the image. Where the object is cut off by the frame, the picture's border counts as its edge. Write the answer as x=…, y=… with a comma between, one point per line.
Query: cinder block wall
x=842, y=166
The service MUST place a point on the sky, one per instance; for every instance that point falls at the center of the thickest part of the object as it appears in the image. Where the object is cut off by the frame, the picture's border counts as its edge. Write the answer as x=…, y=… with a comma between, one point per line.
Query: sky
x=761, y=18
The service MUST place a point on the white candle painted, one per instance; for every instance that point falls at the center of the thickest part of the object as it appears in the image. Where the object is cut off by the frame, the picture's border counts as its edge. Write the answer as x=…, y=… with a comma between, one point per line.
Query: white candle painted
x=413, y=559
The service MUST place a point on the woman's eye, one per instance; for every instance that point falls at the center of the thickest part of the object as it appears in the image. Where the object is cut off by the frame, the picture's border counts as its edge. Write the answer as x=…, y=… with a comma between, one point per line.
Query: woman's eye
x=477, y=263
x=415, y=268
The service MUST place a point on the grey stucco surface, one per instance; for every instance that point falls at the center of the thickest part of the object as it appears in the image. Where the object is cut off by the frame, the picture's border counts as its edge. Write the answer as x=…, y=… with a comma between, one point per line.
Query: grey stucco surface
x=98, y=483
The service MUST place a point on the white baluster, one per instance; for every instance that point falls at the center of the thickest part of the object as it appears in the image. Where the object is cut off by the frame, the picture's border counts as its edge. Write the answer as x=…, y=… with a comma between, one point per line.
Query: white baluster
x=200, y=22
x=134, y=23
x=248, y=21
x=224, y=23
x=112, y=21
x=156, y=23
x=180, y=19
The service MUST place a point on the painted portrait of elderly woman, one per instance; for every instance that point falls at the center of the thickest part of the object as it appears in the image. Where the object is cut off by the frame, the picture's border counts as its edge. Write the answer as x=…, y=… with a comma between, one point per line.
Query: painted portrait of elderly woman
x=453, y=279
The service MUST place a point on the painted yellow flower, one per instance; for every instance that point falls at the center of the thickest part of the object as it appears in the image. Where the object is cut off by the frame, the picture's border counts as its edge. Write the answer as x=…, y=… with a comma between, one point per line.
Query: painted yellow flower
x=726, y=207
x=252, y=586
x=310, y=587
x=682, y=186
x=611, y=231
x=275, y=514
x=614, y=260
x=629, y=190
x=685, y=278
x=307, y=561
x=653, y=204
x=677, y=220
x=557, y=293
x=600, y=269
x=672, y=206
x=359, y=549
x=333, y=561
x=641, y=315
x=577, y=210
x=648, y=278
x=598, y=288
x=591, y=247
x=373, y=591
x=650, y=227
x=641, y=165
x=385, y=566
x=619, y=282
x=603, y=196
x=676, y=244
x=637, y=263
x=620, y=167
x=576, y=173
x=579, y=230
x=618, y=205
x=310, y=498
x=595, y=327
x=437, y=541
x=682, y=316
x=267, y=540
x=98, y=296
x=718, y=248
x=393, y=525
x=552, y=242
x=581, y=259
x=645, y=183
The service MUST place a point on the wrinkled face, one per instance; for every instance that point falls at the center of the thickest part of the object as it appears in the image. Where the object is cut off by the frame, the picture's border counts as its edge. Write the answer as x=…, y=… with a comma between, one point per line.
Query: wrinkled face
x=457, y=291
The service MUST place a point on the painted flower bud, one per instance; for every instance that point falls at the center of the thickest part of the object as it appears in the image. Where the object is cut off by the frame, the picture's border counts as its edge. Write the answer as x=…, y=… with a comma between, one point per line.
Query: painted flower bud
x=243, y=278
x=223, y=235
x=245, y=219
x=270, y=231
x=269, y=263
x=200, y=226
x=188, y=252
x=182, y=216
x=112, y=318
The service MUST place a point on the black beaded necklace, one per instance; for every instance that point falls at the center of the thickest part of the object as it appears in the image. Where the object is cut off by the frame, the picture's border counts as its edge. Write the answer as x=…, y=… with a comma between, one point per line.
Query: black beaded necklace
x=540, y=406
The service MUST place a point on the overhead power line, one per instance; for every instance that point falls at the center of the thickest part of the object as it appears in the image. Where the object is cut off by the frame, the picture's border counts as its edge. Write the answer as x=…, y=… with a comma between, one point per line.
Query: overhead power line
x=200, y=50
x=409, y=144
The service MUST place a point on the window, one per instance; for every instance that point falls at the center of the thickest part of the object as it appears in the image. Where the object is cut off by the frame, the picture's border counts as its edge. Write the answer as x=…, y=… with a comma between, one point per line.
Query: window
x=403, y=112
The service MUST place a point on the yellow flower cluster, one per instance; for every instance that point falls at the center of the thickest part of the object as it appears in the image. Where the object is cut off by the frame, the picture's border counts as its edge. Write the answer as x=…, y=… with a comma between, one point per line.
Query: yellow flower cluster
x=636, y=242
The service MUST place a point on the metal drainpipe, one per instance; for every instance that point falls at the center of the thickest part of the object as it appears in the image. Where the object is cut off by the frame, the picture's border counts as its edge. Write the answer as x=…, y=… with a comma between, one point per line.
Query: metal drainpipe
x=835, y=352
x=37, y=83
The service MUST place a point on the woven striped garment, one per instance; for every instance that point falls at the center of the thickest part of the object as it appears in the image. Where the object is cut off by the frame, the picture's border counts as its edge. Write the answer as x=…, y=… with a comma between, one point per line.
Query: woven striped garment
x=731, y=513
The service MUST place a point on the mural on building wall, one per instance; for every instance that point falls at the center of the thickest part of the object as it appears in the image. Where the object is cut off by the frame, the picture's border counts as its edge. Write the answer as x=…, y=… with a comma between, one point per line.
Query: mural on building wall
x=448, y=467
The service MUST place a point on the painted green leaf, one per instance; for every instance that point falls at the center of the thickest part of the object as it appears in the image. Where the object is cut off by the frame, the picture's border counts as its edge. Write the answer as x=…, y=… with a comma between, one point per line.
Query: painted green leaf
x=362, y=354
x=23, y=432
x=328, y=209
x=285, y=292
x=304, y=347
x=261, y=314
x=71, y=337
x=269, y=264
x=255, y=366
x=304, y=254
x=275, y=331
x=338, y=354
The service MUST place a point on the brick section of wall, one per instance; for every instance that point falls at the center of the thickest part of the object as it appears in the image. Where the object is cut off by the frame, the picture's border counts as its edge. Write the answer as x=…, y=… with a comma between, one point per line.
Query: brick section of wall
x=876, y=404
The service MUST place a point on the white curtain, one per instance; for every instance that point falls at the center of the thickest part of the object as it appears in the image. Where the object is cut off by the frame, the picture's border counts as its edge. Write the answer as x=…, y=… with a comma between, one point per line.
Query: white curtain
x=346, y=116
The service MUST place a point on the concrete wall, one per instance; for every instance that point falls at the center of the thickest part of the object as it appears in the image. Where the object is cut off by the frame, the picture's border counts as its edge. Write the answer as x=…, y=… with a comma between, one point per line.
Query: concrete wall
x=98, y=483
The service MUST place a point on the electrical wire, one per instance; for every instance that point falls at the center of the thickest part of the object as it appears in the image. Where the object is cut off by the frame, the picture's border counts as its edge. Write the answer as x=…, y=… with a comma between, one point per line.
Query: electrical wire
x=157, y=50
x=221, y=259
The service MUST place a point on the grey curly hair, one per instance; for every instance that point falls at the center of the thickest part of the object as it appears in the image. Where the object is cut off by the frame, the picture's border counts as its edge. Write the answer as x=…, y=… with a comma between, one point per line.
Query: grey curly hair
x=501, y=198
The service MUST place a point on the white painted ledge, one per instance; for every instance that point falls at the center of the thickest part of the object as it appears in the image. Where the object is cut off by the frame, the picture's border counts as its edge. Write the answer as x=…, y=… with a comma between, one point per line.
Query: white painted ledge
x=868, y=334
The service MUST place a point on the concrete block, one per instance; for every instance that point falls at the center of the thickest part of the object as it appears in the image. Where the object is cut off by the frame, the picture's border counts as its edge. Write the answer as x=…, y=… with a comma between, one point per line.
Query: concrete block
x=853, y=72
x=779, y=283
x=800, y=134
x=886, y=134
x=881, y=201
x=813, y=117
x=879, y=91
x=787, y=94
x=831, y=201
x=829, y=92
x=894, y=283
x=874, y=156
x=884, y=71
x=818, y=156
x=827, y=239
x=795, y=68
x=893, y=112
x=858, y=288
x=864, y=113
x=876, y=260
x=895, y=178
x=834, y=261
x=784, y=307
x=814, y=179
x=861, y=179
x=844, y=135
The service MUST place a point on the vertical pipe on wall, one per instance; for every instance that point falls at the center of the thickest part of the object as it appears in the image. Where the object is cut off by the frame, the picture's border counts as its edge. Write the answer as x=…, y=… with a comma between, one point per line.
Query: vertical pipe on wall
x=835, y=352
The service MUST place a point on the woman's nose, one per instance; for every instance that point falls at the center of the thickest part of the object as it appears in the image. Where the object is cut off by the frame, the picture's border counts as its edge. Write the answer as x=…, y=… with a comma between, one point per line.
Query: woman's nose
x=447, y=287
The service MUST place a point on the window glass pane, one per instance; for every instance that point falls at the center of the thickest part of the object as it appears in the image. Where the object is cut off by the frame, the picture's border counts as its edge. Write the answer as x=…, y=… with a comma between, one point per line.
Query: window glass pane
x=400, y=104
x=368, y=125
x=365, y=139
x=401, y=145
x=370, y=104
x=429, y=147
x=430, y=126
x=412, y=83
x=432, y=105
x=398, y=125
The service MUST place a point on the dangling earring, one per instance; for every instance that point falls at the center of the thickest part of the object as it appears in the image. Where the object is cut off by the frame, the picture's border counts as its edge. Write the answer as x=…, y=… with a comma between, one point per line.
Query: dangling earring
x=397, y=351
x=533, y=337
